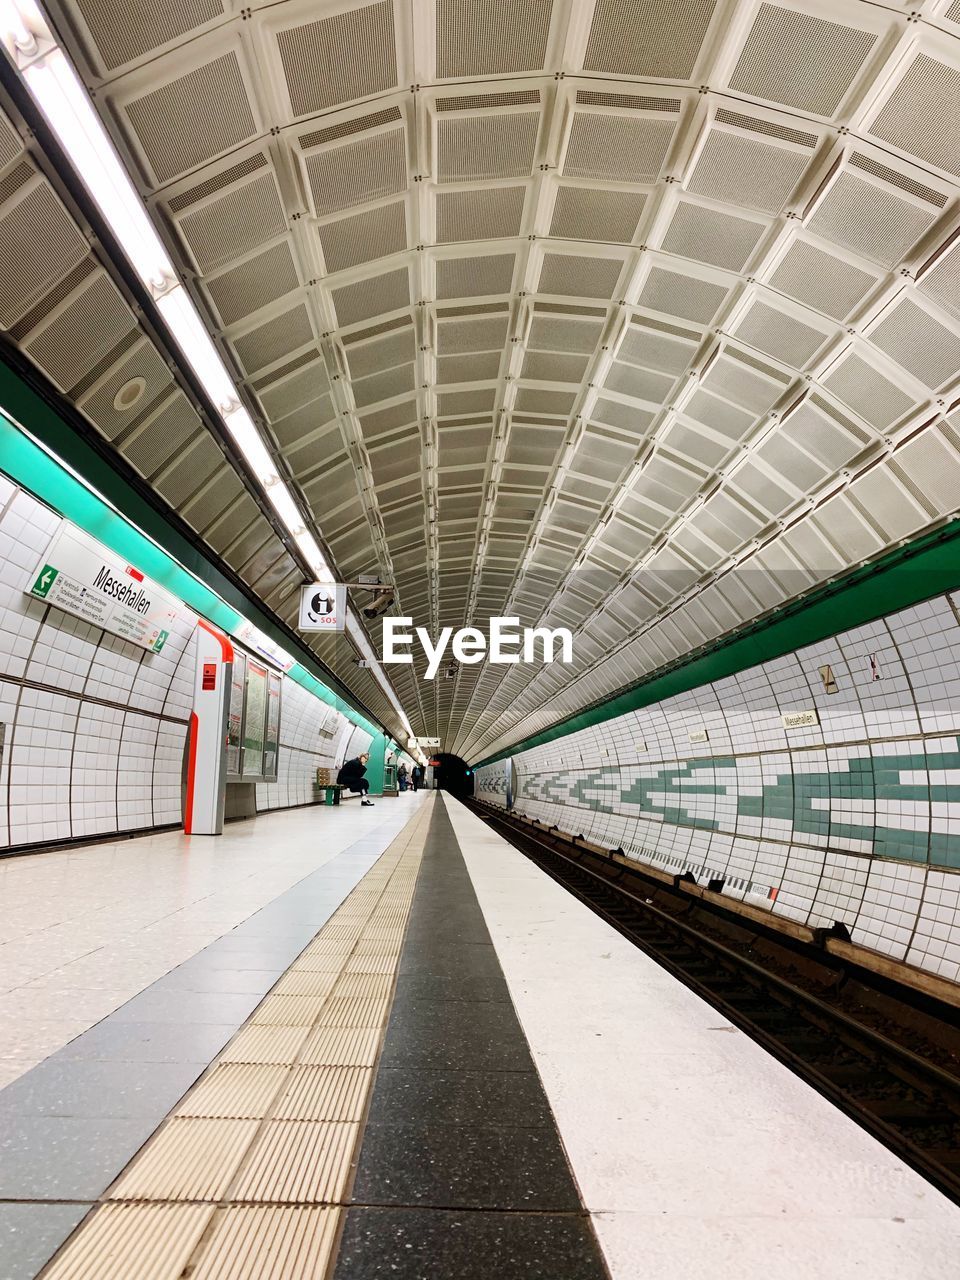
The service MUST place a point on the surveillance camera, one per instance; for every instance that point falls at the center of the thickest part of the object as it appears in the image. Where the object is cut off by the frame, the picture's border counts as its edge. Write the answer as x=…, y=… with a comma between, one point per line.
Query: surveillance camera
x=382, y=602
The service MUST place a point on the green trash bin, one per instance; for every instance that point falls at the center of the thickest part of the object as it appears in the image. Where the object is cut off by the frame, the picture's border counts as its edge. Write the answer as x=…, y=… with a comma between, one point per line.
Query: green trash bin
x=331, y=795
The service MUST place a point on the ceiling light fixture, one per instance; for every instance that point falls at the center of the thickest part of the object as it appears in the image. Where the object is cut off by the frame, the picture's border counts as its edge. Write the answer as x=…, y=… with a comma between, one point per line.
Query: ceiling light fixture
x=64, y=102
x=129, y=394
x=197, y=346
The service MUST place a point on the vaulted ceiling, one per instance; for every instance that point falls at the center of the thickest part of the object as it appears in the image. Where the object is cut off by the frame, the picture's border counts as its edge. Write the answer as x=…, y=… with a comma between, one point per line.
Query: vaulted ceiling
x=636, y=318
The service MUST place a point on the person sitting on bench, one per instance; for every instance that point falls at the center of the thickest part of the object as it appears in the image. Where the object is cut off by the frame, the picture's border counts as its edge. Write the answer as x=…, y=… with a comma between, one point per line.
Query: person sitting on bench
x=352, y=777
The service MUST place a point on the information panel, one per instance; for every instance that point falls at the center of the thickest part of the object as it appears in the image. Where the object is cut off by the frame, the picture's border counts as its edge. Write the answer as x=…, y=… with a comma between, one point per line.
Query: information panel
x=81, y=576
x=272, y=746
x=235, y=712
x=254, y=720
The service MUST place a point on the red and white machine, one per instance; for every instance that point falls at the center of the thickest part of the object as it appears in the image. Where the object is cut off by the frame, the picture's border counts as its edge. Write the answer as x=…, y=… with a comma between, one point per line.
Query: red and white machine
x=207, y=752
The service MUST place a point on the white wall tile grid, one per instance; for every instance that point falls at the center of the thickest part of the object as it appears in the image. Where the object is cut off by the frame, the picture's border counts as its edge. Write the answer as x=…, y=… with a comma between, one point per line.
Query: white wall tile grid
x=95, y=728
x=855, y=819
x=312, y=735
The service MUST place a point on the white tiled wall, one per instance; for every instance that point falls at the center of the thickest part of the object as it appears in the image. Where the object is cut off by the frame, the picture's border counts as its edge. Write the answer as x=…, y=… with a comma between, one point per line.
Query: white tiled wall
x=854, y=820
x=312, y=735
x=95, y=727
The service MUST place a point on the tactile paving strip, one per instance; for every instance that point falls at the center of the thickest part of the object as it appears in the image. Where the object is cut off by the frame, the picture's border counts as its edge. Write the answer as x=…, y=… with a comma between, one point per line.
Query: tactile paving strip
x=247, y=1176
x=298, y=1162
x=289, y=1011
x=154, y=1240
x=341, y=1047
x=304, y=982
x=264, y=1045
x=189, y=1158
x=235, y=1090
x=291, y=1243
x=364, y=984
x=325, y=1093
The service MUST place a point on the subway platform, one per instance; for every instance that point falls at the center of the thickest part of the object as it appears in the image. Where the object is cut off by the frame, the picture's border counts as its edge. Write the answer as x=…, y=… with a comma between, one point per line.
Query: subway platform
x=415, y=1056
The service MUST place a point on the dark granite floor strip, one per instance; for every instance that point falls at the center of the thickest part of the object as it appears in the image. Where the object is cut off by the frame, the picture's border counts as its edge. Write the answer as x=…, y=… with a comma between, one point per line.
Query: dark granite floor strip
x=461, y=1170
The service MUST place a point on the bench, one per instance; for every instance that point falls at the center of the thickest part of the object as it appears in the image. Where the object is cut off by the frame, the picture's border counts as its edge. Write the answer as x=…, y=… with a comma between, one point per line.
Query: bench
x=333, y=792
x=337, y=793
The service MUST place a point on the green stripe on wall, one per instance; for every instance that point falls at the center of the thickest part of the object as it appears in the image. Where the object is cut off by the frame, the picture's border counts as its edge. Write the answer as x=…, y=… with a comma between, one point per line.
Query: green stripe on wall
x=176, y=564
x=924, y=568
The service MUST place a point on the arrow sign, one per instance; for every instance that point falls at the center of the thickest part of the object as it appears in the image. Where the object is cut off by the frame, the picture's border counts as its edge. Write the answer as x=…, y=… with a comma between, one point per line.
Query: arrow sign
x=85, y=578
x=44, y=581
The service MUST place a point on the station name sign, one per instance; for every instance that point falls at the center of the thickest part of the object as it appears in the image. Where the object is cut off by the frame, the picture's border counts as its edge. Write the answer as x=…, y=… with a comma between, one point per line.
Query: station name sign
x=125, y=593
x=800, y=719
x=81, y=576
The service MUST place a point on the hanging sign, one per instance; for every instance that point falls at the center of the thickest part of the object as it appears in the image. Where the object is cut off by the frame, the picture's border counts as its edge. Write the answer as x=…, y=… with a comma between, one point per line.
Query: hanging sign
x=323, y=606
x=81, y=576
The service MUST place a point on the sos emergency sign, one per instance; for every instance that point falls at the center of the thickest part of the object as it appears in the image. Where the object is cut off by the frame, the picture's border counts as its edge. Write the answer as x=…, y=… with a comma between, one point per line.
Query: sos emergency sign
x=323, y=606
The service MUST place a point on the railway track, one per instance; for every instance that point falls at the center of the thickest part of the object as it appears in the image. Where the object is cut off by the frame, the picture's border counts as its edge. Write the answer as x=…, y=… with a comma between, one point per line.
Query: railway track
x=886, y=1078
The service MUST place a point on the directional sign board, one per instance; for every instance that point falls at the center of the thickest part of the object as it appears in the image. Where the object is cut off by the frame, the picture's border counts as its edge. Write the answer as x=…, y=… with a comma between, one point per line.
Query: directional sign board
x=81, y=576
x=323, y=606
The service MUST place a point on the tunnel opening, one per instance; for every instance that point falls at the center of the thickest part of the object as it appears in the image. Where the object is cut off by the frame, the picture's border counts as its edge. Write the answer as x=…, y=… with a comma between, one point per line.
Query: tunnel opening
x=452, y=773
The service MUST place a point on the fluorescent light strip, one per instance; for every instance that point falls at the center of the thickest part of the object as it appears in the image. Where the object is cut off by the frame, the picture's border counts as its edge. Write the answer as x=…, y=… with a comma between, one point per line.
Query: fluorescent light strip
x=197, y=347
x=359, y=637
x=64, y=102
x=62, y=98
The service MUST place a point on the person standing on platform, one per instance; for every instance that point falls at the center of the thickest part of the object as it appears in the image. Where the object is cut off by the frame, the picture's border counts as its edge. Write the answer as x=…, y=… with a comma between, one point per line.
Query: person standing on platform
x=352, y=775
x=417, y=776
x=402, y=777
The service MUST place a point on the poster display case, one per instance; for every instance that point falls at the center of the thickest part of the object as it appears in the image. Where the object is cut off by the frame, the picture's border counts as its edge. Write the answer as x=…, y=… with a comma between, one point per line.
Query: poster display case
x=235, y=713
x=253, y=721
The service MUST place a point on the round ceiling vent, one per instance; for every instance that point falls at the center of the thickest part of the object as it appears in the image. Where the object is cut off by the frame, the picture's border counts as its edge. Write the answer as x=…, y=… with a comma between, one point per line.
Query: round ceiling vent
x=129, y=394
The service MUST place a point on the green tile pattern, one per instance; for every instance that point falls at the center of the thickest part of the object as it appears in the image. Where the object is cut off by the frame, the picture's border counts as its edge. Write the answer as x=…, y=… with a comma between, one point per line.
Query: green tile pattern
x=804, y=803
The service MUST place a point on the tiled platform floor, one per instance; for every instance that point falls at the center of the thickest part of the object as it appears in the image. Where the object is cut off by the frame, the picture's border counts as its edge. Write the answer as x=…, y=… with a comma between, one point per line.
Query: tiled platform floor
x=82, y=930
x=696, y=1152
x=247, y=1175
x=481, y=1079
x=461, y=1171
x=69, y=1124
x=261, y=1171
